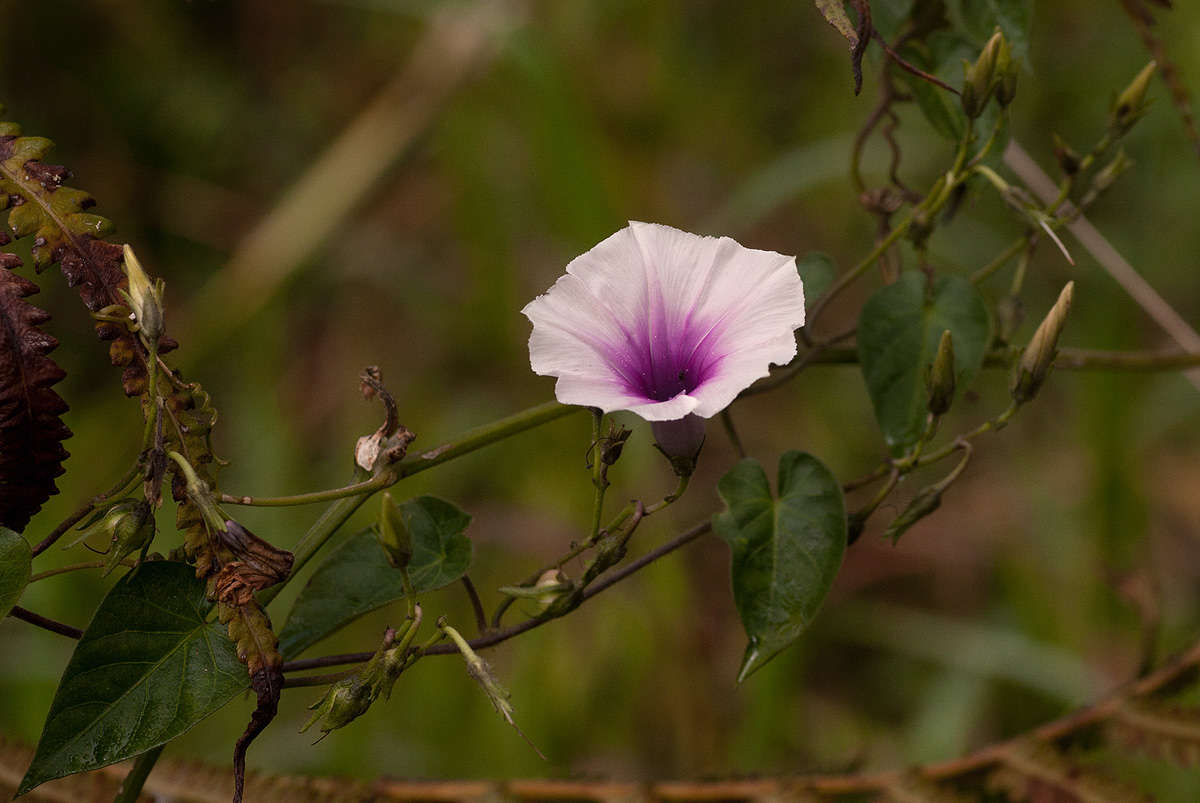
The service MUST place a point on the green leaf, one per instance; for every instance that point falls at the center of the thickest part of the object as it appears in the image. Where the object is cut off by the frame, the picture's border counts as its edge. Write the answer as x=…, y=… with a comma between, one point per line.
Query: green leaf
x=15, y=562
x=816, y=271
x=356, y=578
x=898, y=333
x=888, y=15
x=786, y=551
x=147, y=669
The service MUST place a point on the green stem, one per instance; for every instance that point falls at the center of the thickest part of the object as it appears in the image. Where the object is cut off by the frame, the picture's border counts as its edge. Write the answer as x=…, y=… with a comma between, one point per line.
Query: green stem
x=135, y=779
x=75, y=567
x=321, y=530
x=599, y=480
x=848, y=278
x=1008, y=253
x=376, y=483
x=990, y=425
x=485, y=435
x=671, y=498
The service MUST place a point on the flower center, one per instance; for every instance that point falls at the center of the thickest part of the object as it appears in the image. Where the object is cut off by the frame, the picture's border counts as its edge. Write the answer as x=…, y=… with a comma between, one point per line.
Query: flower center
x=664, y=379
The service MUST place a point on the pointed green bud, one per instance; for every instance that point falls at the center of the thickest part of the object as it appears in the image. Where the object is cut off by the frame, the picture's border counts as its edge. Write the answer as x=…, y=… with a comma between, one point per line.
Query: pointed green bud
x=969, y=96
x=125, y=525
x=393, y=533
x=980, y=78
x=1039, y=355
x=132, y=532
x=1130, y=105
x=344, y=702
x=1006, y=75
x=350, y=697
x=144, y=298
x=923, y=504
x=940, y=379
x=1068, y=159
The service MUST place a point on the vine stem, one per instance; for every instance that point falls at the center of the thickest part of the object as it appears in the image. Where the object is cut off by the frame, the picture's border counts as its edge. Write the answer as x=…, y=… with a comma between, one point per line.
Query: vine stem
x=75, y=567
x=599, y=480
x=500, y=636
x=378, y=482
x=487, y=434
x=54, y=626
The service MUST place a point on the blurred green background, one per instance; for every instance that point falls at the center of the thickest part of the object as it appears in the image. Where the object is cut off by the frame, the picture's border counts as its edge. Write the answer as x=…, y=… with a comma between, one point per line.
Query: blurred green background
x=511, y=152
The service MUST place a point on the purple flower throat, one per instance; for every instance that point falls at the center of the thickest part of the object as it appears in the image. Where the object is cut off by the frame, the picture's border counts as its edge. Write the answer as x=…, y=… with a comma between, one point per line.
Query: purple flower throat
x=665, y=361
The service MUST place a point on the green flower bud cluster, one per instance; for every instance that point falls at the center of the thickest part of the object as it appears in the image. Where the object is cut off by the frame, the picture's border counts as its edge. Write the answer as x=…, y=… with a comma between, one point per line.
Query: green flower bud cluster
x=349, y=698
x=127, y=525
x=993, y=72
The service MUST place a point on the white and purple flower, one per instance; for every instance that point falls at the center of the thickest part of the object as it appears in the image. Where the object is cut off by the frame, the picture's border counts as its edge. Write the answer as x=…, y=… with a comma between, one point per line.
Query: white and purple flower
x=664, y=323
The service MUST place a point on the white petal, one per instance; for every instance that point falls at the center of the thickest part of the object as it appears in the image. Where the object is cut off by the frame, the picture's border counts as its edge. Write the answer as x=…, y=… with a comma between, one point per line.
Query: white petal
x=664, y=323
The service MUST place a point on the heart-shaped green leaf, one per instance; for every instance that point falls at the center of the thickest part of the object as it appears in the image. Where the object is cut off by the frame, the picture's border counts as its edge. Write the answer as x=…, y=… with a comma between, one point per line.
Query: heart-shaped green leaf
x=15, y=561
x=147, y=669
x=356, y=577
x=898, y=334
x=786, y=551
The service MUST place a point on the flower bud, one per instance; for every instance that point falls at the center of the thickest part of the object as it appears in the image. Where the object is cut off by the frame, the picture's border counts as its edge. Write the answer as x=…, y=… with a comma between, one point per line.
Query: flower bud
x=969, y=96
x=344, y=702
x=1130, y=105
x=1039, y=354
x=350, y=697
x=940, y=379
x=393, y=533
x=126, y=525
x=550, y=586
x=1006, y=75
x=924, y=503
x=1068, y=159
x=979, y=78
x=132, y=532
x=145, y=299
x=680, y=441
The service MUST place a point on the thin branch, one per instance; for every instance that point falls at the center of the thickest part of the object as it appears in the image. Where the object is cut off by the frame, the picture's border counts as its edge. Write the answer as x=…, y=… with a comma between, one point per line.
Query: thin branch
x=329, y=495
x=910, y=68
x=500, y=636
x=476, y=605
x=26, y=615
x=75, y=567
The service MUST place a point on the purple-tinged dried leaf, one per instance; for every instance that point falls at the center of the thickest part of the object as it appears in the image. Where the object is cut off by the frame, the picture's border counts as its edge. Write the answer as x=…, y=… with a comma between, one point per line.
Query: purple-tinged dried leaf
x=31, y=431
